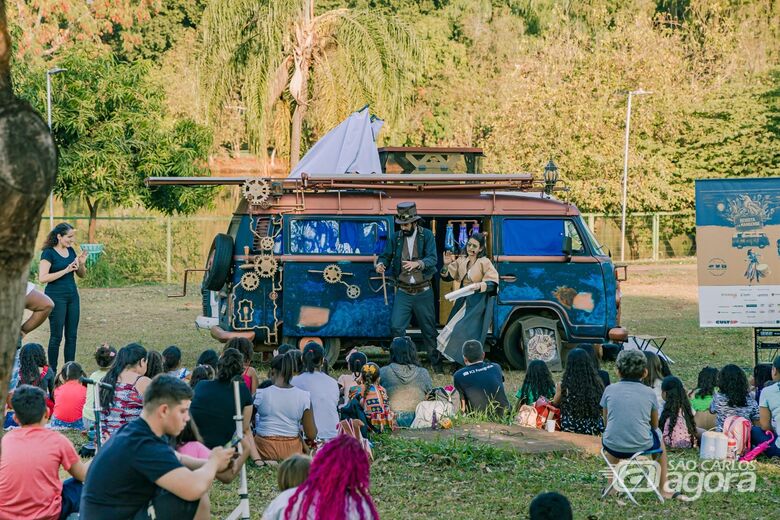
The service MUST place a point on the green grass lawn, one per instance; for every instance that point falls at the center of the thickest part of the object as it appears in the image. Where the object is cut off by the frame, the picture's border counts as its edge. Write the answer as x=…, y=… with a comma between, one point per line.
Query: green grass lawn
x=461, y=479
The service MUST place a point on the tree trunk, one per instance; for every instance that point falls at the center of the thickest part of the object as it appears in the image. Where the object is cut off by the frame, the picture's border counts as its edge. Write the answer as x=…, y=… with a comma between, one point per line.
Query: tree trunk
x=93, y=210
x=28, y=167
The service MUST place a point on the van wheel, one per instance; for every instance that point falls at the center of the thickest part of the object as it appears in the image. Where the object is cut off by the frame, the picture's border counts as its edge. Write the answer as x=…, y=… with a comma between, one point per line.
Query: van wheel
x=219, y=261
x=513, y=346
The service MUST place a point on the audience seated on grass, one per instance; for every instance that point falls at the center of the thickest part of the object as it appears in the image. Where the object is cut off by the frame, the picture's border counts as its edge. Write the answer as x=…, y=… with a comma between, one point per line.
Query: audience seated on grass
x=202, y=373
x=249, y=375
x=578, y=395
x=406, y=382
x=591, y=350
x=124, y=401
x=677, y=422
x=292, y=473
x=323, y=389
x=104, y=357
x=208, y=357
x=190, y=443
x=30, y=461
x=733, y=397
x=701, y=398
x=538, y=382
x=355, y=361
x=654, y=375
x=631, y=417
x=480, y=383
x=762, y=376
x=213, y=405
x=282, y=412
x=154, y=364
x=337, y=487
x=769, y=409
x=373, y=399
x=172, y=363
x=137, y=474
x=69, y=398
x=33, y=369
x=550, y=506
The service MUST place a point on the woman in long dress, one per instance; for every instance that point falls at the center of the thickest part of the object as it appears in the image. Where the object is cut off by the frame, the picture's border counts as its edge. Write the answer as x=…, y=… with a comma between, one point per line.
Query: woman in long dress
x=471, y=315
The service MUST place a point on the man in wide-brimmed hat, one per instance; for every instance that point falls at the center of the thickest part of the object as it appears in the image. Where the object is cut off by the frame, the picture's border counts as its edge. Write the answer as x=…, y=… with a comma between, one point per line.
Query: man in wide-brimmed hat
x=411, y=255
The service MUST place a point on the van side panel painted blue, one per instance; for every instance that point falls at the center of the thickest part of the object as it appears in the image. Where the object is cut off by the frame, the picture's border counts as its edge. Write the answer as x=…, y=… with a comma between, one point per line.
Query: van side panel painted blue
x=314, y=307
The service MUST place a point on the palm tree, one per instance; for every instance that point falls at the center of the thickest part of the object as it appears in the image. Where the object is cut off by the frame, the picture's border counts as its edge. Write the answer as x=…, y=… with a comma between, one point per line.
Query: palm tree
x=289, y=64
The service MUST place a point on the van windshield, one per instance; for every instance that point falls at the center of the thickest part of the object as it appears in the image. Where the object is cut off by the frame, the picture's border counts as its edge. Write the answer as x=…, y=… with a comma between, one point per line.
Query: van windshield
x=337, y=236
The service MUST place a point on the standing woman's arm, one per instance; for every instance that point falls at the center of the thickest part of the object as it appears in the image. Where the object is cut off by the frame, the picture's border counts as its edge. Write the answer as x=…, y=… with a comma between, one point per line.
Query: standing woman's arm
x=44, y=276
x=82, y=260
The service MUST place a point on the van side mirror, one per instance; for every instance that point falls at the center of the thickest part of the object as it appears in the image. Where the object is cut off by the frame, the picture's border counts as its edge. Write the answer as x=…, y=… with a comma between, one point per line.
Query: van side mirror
x=567, y=247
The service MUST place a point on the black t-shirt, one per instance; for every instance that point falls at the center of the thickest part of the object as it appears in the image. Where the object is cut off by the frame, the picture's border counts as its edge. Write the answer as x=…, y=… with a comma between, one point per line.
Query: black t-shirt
x=213, y=407
x=121, y=479
x=58, y=263
x=604, y=375
x=481, y=384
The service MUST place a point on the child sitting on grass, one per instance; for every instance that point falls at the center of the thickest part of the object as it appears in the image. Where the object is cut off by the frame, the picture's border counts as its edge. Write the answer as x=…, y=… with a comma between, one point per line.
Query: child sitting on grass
x=538, y=383
x=172, y=363
x=701, y=398
x=373, y=398
x=355, y=361
x=733, y=397
x=677, y=422
x=762, y=374
x=69, y=398
x=249, y=375
x=292, y=473
x=631, y=417
x=30, y=486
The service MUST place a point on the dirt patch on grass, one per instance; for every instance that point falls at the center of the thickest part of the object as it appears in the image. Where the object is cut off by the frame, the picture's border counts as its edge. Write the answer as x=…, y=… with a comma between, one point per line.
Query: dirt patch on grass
x=673, y=281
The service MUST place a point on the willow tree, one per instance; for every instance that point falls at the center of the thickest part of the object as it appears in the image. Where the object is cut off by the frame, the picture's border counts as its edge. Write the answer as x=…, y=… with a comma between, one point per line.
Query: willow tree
x=290, y=65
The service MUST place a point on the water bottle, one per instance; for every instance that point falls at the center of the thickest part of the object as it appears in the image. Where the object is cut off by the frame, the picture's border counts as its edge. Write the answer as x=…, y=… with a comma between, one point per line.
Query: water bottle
x=732, y=449
x=434, y=421
x=462, y=237
x=449, y=239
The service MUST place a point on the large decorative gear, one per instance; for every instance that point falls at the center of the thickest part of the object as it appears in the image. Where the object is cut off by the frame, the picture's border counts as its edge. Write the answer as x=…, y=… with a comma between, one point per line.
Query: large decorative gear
x=267, y=243
x=256, y=191
x=332, y=273
x=250, y=281
x=266, y=266
x=353, y=291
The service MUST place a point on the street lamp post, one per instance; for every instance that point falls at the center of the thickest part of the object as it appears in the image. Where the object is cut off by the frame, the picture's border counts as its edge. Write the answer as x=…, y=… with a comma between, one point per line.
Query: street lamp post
x=625, y=172
x=49, y=74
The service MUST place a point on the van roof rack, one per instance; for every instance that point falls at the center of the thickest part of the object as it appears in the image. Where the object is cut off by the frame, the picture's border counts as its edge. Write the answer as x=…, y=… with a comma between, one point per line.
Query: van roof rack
x=388, y=181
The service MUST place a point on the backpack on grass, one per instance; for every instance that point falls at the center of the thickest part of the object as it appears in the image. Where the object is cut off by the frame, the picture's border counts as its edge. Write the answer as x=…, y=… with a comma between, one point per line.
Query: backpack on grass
x=738, y=428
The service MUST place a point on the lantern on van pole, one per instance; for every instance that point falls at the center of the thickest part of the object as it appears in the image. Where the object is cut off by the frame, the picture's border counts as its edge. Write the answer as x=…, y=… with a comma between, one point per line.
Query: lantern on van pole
x=550, y=177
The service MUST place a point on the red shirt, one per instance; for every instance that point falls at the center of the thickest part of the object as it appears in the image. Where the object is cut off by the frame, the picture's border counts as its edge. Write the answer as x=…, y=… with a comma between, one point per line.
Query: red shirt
x=69, y=401
x=30, y=486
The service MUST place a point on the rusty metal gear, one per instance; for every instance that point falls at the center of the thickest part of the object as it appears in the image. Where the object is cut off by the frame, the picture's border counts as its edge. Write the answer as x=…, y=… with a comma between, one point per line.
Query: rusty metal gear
x=332, y=273
x=250, y=281
x=266, y=266
x=256, y=191
x=267, y=243
x=353, y=291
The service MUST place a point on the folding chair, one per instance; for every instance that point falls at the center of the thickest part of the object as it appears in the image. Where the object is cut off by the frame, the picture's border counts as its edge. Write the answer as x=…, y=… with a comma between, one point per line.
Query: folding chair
x=645, y=475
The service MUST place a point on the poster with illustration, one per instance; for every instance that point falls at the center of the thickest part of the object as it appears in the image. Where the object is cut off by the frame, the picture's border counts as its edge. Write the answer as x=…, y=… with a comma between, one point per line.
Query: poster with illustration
x=738, y=252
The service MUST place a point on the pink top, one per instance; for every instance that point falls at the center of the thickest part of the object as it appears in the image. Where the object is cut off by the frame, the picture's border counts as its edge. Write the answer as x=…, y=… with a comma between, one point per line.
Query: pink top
x=194, y=449
x=69, y=401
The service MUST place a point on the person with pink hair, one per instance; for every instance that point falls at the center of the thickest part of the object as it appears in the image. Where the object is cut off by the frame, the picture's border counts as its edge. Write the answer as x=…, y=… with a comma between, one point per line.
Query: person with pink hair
x=337, y=487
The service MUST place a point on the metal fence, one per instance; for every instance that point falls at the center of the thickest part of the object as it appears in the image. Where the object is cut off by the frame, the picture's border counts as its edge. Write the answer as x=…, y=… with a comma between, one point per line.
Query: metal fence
x=159, y=248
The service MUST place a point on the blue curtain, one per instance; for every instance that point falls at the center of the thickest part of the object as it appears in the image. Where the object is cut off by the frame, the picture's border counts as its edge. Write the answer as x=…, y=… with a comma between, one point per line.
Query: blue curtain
x=532, y=237
x=338, y=236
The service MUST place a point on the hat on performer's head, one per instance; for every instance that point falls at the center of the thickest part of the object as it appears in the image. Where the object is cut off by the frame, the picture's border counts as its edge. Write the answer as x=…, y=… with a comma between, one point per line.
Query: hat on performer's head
x=407, y=213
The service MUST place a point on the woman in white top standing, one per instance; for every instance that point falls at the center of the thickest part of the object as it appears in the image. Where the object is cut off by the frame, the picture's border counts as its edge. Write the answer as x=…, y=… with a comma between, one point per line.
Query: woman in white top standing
x=281, y=411
x=323, y=389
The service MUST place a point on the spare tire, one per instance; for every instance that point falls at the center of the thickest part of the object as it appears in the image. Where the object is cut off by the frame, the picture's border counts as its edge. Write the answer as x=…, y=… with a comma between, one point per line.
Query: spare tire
x=219, y=262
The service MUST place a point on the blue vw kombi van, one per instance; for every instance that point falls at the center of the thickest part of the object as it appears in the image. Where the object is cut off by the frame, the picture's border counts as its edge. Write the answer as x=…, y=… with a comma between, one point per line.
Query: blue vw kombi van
x=297, y=261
